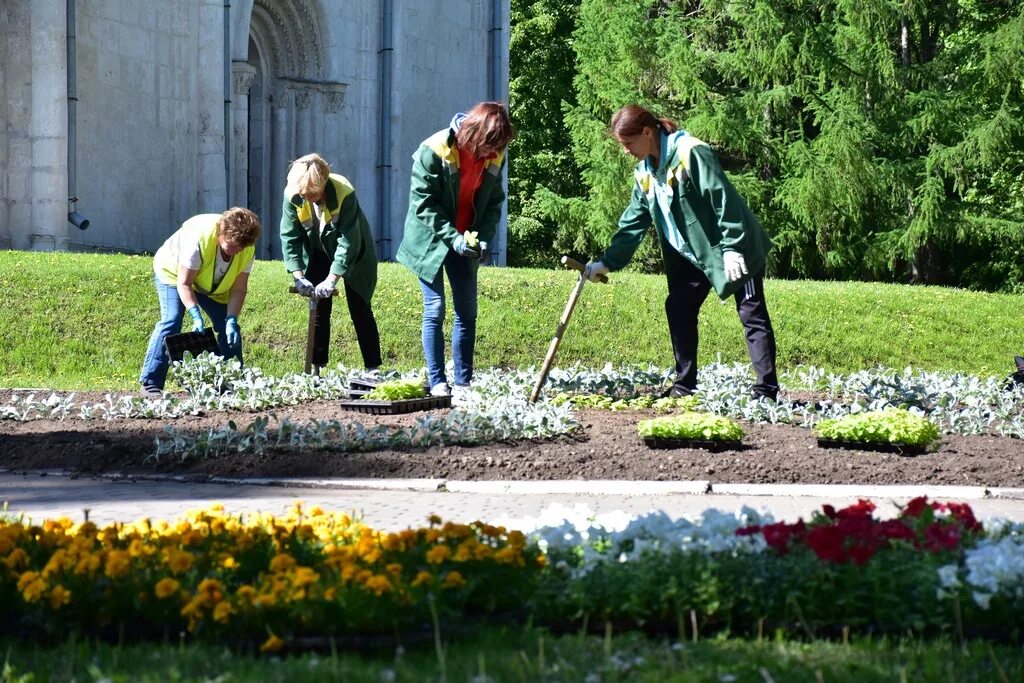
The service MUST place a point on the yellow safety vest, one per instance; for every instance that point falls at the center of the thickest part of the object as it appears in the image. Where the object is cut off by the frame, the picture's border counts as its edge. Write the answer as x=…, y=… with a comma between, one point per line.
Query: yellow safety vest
x=202, y=229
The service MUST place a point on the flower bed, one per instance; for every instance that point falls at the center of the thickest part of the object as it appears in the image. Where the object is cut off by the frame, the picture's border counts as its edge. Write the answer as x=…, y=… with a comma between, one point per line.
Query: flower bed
x=258, y=579
x=235, y=577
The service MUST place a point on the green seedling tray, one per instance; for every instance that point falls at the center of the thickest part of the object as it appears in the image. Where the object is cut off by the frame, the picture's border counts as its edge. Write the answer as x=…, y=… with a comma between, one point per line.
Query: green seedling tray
x=399, y=406
x=898, y=448
x=704, y=444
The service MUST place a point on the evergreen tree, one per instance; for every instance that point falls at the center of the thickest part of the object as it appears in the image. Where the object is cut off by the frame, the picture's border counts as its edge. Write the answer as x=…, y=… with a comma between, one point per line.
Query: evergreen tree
x=874, y=138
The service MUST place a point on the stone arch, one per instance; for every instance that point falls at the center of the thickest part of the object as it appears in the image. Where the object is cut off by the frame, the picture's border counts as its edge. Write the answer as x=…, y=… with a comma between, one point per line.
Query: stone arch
x=281, y=78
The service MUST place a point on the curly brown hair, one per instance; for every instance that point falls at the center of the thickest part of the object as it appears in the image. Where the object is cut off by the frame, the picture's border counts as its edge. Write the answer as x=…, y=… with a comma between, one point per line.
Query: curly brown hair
x=240, y=227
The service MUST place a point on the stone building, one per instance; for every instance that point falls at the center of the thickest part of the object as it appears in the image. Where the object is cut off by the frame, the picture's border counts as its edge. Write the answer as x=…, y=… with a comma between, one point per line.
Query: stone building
x=136, y=114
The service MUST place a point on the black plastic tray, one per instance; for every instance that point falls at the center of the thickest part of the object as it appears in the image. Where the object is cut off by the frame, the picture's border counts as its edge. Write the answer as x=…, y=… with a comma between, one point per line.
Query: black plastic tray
x=194, y=342
x=898, y=448
x=399, y=406
x=708, y=445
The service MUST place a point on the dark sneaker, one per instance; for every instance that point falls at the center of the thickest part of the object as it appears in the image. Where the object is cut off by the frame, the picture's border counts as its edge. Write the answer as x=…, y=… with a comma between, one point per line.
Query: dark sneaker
x=150, y=391
x=767, y=395
x=675, y=392
x=1019, y=362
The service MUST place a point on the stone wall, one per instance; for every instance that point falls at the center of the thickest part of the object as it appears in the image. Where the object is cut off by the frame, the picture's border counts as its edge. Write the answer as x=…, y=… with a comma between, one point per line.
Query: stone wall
x=140, y=120
x=304, y=76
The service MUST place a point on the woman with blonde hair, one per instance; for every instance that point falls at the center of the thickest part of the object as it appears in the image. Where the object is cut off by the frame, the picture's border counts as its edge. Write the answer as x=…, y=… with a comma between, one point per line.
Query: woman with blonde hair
x=454, y=206
x=325, y=238
x=204, y=266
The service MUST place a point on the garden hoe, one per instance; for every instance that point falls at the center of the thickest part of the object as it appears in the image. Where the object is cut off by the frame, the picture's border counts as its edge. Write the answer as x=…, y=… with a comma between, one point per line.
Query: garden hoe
x=311, y=332
x=562, y=324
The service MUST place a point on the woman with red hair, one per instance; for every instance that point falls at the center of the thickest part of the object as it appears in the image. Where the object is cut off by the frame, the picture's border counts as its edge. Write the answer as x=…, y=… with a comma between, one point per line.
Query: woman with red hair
x=455, y=203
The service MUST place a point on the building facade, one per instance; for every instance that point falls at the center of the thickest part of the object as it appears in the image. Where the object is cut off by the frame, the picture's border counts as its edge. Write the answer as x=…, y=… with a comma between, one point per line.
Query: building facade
x=134, y=115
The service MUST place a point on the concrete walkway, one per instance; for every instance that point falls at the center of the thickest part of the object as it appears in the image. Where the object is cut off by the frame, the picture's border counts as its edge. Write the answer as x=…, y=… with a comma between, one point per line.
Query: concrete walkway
x=396, y=504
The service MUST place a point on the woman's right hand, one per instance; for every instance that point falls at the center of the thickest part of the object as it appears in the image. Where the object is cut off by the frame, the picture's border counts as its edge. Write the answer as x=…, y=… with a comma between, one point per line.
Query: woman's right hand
x=197, y=319
x=463, y=249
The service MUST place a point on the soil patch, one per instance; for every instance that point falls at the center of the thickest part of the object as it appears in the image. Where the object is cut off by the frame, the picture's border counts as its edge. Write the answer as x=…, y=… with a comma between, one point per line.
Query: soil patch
x=607, y=448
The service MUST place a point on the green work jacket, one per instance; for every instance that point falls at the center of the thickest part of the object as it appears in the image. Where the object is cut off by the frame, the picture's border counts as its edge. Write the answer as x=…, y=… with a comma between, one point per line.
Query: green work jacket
x=706, y=215
x=433, y=198
x=346, y=238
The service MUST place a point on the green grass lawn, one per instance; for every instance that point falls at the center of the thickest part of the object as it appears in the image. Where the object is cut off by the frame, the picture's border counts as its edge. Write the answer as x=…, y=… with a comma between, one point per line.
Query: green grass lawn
x=82, y=321
x=529, y=656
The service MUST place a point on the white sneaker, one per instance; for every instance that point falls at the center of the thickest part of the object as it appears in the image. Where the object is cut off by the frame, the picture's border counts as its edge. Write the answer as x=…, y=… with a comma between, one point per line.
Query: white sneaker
x=461, y=394
x=440, y=389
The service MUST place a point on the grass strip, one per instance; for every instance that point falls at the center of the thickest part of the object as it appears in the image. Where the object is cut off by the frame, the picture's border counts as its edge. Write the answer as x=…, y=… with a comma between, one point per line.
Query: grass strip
x=82, y=321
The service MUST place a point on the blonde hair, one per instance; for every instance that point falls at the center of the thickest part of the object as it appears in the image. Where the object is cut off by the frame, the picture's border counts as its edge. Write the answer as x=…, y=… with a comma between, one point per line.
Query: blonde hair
x=307, y=174
x=240, y=227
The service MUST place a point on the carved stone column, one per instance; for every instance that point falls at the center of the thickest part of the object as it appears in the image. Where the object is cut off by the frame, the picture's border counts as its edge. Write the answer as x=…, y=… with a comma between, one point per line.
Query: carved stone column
x=281, y=148
x=242, y=75
x=303, y=125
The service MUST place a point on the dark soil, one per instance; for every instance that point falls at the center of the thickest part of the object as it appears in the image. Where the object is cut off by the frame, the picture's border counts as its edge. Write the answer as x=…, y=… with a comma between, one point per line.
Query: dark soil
x=608, y=448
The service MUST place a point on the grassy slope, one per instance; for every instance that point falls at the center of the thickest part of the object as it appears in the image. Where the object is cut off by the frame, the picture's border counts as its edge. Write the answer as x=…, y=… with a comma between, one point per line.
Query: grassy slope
x=82, y=321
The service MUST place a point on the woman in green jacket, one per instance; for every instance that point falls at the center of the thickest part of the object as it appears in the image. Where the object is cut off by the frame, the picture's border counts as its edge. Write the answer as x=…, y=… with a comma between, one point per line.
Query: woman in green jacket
x=455, y=203
x=325, y=238
x=709, y=239
x=203, y=266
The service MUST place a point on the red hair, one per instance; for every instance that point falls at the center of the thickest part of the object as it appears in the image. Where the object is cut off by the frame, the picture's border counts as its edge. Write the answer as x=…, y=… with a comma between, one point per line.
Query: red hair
x=632, y=119
x=486, y=126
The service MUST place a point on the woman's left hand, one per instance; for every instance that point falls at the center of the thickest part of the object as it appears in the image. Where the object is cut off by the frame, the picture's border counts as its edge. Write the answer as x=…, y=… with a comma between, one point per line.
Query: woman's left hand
x=232, y=333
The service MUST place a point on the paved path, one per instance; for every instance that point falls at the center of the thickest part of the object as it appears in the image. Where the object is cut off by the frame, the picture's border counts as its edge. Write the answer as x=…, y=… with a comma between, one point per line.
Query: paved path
x=409, y=502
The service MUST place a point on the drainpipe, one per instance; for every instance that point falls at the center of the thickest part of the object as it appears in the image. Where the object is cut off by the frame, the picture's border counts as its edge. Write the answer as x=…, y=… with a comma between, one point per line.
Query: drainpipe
x=384, y=138
x=493, y=34
x=228, y=133
x=76, y=219
x=495, y=93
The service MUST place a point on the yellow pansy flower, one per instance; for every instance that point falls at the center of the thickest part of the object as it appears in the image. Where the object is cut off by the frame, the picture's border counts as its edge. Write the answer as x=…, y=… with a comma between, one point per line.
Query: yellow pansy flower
x=59, y=596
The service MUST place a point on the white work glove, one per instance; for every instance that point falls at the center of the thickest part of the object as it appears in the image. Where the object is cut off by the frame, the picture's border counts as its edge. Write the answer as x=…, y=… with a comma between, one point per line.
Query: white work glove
x=304, y=286
x=594, y=270
x=485, y=251
x=735, y=266
x=325, y=289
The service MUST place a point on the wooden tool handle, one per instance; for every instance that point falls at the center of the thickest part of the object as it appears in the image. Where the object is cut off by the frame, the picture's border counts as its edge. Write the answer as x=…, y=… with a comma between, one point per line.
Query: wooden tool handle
x=573, y=264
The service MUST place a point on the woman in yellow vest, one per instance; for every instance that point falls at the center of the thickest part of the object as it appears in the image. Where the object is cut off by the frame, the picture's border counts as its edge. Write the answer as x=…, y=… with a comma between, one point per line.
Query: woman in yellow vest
x=205, y=264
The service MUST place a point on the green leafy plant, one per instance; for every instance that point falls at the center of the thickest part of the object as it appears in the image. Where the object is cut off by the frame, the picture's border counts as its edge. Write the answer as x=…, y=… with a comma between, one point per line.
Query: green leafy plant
x=698, y=426
x=603, y=401
x=892, y=426
x=397, y=389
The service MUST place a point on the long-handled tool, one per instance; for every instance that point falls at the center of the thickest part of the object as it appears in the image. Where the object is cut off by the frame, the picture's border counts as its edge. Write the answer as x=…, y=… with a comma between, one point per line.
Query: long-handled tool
x=562, y=324
x=311, y=331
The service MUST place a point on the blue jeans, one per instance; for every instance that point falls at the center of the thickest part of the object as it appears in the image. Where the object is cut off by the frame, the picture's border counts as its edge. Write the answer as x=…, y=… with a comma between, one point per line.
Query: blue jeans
x=462, y=277
x=172, y=311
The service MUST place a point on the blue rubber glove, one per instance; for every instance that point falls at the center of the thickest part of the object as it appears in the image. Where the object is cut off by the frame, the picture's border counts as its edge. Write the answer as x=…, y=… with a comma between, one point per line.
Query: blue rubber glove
x=463, y=249
x=304, y=286
x=197, y=319
x=232, y=335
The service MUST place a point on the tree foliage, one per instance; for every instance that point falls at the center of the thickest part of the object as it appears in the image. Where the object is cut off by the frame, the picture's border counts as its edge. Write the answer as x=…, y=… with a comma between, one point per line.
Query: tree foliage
x=540, y=158
x=876, y=139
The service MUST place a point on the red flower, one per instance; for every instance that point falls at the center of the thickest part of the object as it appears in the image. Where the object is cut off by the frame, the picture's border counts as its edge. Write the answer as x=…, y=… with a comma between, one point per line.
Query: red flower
x=894, y=529
x=748, y=530
x=963, y=513
x=916, y=506
x=778, y=535
x=940, y=536
x=860, y=554
x=862, y=508
x=827, y=543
